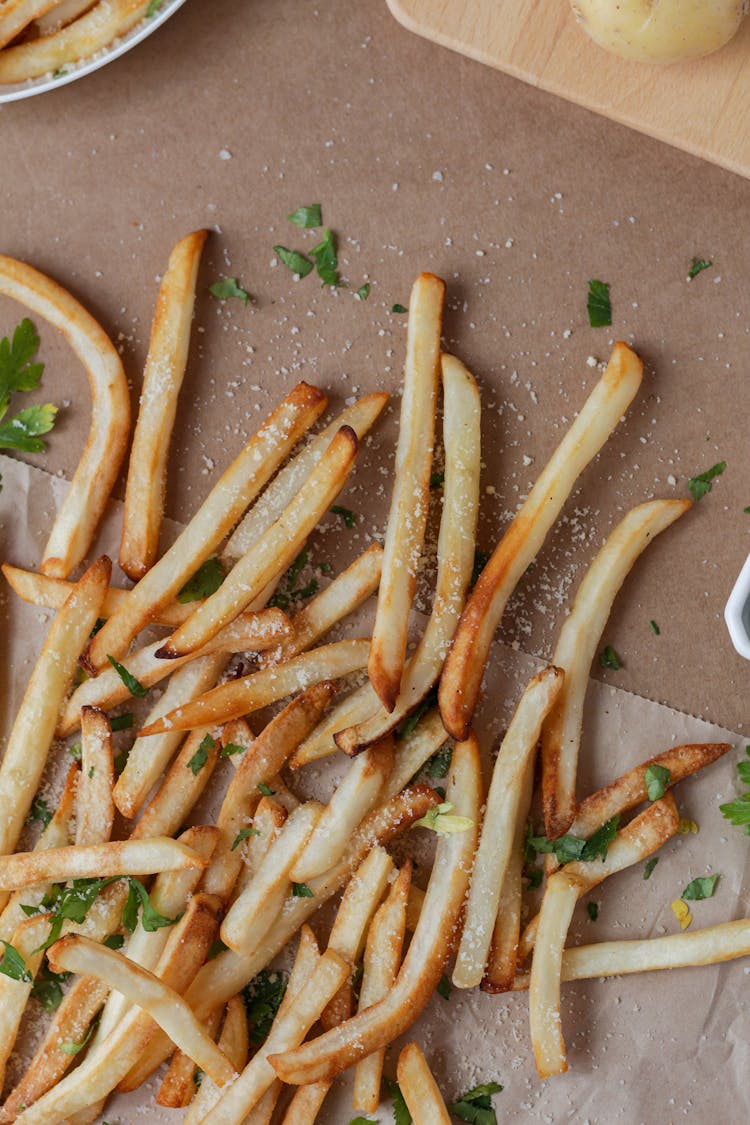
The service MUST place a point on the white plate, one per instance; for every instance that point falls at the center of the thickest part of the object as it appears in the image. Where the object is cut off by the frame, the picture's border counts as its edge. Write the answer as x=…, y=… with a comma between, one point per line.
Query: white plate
x=32, y=86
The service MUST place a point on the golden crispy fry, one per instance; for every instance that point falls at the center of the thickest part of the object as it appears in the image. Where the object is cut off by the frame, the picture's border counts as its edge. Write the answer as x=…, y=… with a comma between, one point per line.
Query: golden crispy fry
x=464, y=668
x=358, y=904
x=385, y=940
x=269, y=819
x=413, y=750
x=178, y=1084
x=34, y=726
x=576, y=648
x=76, y=522
x=149, y=757
x=253, y=913
x=345, y=594
x=162, y=378
x=433, y=939
x=178, y=792
x=411, y=488
x=251, y=693
x=82, y=38
x=420, y=1090
x=263, y=759
x=15, y=15
x=502, y=814
x=64, y=12
x=218, y=513
x=356, y=794
x=123, y=857
x=288, y=1030
x=95, y=808
x=305, y=1105
x=103, y=1067
x=355, y=708
x=43, y=590
x=360, y=416
x=250, y=631
x=270, y=555
x=57, y=834
x=75, y=954
x=27, y=941
x=455, y=554
x=234, y=1042
x=634, y=843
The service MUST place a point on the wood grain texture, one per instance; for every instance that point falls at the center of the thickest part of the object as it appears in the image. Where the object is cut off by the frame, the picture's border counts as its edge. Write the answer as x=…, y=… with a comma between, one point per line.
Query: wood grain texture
x=702, y=107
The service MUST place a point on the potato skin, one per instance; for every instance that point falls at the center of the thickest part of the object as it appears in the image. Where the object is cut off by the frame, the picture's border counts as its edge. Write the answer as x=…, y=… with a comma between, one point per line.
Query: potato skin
x=660, y=31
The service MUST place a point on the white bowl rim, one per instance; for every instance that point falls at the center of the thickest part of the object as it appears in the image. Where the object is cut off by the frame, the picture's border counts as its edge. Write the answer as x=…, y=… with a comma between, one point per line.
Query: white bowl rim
x=737, y=612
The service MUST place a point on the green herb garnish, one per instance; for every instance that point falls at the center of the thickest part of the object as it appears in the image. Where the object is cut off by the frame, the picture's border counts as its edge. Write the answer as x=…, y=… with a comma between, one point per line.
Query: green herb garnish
x=306, y=217
x=608, y=658
x=598, y=304
x=264, y=789
x=655, y=628
x=40, y=811
x=569, y=848
x=230, y=750
x=657, y=780
x=593, y=910
x=13, y=964
x=262, y=997
x=326, y=260
x=295, y=261
x=205, y=581
x=364, y=291
x=401, y=1115
x=18, y=373
x=134, y=686
x=649, y=868
x=227, y=288
x=437, y=480
x=71, y=1048
x=476, y=1105
x=122, y=722
x=698, y=889
x=301, y=890
x=200, y=757
x=698, y=265
x=700, y=485
x=399, y=309
x=243, y=834
x=347, y=515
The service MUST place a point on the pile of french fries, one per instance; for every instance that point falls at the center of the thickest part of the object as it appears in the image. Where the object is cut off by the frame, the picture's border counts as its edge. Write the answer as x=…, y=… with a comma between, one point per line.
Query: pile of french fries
x=158, y=968
x=39, y=37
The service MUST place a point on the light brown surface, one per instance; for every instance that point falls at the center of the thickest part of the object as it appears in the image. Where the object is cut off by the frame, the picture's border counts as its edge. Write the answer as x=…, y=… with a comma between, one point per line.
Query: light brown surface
x=701, y=107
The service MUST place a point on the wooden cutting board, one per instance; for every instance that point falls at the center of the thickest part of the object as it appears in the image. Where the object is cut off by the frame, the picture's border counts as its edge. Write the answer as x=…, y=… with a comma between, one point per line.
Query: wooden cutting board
x=702, y=107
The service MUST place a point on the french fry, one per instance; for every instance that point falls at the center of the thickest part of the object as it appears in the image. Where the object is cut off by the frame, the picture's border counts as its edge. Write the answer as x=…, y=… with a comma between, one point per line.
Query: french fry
x=419, y=1088
x=635, y=842
x=15, y=15
x=149, y=757
x=270, y=555
x=178, y=792
x=95, y=812
x=355, y=708
x=123, y=857
x=178, y=1084
x=27, y=941
x=576, y=648
x=102, y=1069
x=455, y=554
x=233, y=1041
x=252, y=914
x=413, y=750
x=345, y=594
x=433, y=939
x=145, y=490
x=57, y=834
x=236, y=488
x=502, y=814
x=360, y=416
x=407, y=518
x=414, y=907
x=358, y=904
x=268, y=820
x=306, y=1103
x=249, y=632
x=287, y=1031
x=86, y=498
x=75, y=954
x=63, y=12
x=263, y=759
x=357, y=793
x=228, y=972
x=43, y=590
x=108, y=20
x=34, y=726
x=600, y=414
x=269, y=685
x=385, y=940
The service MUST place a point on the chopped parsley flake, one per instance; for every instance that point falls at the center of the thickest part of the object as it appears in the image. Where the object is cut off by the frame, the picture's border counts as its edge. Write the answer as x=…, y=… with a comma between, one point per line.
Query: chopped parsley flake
x=598, y=304
x=700, y=485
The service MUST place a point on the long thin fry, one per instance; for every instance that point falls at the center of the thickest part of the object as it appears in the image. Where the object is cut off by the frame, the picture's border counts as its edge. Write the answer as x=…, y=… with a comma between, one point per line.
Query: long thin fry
x=27, y=941
x=84, y=37
x=15, y=15
x=233, y=1041
x=419, y=1088
x=353, y=709
x=576, y=647
x=178, y=1084
x=360, y=416
x=95, y=807
x=250, y=631
x=270, y=555
x=76, y=522
x=501, y=816
x=455, y=555
x=34, y=726
x=179, y=791
x=236, y=488
x=123, y=857
x=464, y=668
x=634, y=843
x=385, y=940
x=431, y=944
x=250, y=693
x=64, y=12
x=407, y=518
x=357, y=793
x=103, y=1067
x=149, y=757
x=162, y=378
x=414, y=749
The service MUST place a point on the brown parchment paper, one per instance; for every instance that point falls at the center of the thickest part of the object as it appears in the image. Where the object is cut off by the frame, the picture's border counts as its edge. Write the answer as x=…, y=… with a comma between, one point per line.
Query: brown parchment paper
x=619, y=1032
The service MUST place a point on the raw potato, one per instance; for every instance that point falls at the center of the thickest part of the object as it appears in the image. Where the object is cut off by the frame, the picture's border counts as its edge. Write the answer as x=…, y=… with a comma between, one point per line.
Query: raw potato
x=660, y=31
